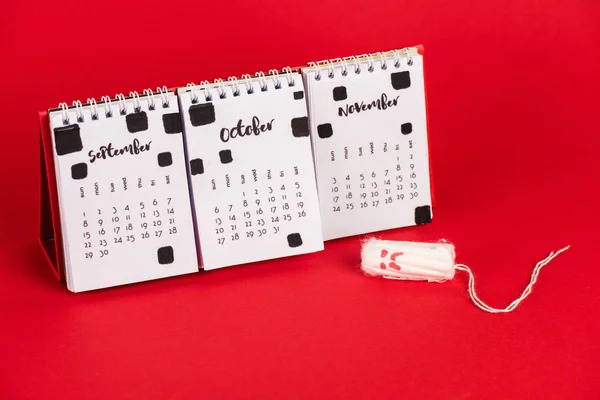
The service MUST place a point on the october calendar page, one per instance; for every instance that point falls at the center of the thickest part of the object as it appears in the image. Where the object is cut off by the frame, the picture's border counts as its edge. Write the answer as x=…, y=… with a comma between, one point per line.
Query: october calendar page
x=251, y=170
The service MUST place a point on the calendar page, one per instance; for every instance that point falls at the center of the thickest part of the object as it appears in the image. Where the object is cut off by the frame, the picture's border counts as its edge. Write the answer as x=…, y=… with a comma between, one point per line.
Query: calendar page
x=251, y=170
x=369, y=132
x=123, y=192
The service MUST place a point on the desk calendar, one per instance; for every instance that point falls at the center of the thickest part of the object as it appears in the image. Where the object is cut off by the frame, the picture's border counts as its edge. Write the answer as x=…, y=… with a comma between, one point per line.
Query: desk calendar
x=369, y=132
x=232, y=172
x=251, y=169
x=123, y=193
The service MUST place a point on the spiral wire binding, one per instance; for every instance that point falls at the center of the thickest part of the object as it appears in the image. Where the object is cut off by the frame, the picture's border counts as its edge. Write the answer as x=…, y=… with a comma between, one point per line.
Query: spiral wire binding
x=246, y=78
x=164, y=96
x=234, y=85
x=107, y=103
x=329, y=66
x=193, y=94
x=219, y=86
x=93, y=108
x=151, y=100
x=137, y=107
x=277, y=81
x=343, y=63
x=64, y=110
x=370, y=61
x=78, y=110
x=288, y=76
x=122, y=105
x=383, y=59
x=262, y=82
x=107, y=106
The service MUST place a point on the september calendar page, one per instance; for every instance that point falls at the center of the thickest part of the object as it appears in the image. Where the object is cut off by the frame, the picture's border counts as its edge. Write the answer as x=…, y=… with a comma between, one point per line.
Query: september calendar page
x=123, y=194
x=368, y=125
x=251, y=170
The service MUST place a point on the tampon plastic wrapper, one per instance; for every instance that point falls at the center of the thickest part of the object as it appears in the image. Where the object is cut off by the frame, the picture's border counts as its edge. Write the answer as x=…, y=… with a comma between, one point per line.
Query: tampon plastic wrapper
x=433, y=262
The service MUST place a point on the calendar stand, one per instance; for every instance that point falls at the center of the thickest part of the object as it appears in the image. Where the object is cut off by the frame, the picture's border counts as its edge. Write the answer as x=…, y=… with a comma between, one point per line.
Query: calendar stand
x=50, y=234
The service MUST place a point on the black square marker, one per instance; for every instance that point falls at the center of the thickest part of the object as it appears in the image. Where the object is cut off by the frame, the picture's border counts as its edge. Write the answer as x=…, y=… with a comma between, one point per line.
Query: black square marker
x=225, y=156
x=294, y=240
x=299, y=95
x=79, y=171
x=300, y=126
x=165, y=159
x=339, y=93
x=422, y=215
x=165, y=255
x=68, y=139
x=401, y=80
x=324, y=131
x=196, y=166
x=172, y=122
x=202, y=114
x=137, y=122
x=406, y=128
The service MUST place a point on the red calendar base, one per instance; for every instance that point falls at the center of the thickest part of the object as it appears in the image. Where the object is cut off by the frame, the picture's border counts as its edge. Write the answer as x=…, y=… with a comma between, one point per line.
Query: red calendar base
x=50, y=233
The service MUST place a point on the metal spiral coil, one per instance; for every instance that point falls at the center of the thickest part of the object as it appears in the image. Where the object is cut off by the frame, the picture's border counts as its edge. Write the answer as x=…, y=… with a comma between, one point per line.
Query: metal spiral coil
x=92, y=110
x=353, y=63
x=237, y=86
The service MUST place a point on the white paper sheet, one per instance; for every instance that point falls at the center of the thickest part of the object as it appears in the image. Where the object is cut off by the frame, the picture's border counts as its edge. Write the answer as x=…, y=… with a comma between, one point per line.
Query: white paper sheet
x=123, y=194
x=251, y=172
x=369, y=136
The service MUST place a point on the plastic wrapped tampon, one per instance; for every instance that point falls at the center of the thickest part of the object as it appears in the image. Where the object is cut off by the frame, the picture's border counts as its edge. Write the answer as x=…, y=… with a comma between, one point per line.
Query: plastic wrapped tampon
x=432, y=262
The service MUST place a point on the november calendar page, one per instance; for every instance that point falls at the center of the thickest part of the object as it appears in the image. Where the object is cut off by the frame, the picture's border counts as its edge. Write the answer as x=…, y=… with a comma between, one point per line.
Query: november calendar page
x=369, y=131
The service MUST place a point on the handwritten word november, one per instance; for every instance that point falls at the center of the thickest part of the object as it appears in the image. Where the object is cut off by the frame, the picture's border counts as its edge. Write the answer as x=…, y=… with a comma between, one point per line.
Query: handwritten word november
x=380, y=104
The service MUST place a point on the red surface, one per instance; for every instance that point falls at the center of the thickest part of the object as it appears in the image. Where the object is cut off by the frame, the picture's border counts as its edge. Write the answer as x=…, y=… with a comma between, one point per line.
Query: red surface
x=513, y=103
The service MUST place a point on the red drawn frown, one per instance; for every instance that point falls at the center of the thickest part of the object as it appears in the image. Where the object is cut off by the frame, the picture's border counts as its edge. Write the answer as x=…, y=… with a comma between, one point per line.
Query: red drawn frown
x=392, y=263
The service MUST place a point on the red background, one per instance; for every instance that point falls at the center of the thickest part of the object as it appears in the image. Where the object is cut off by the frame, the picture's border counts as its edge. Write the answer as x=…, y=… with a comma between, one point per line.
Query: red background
x=513, y=110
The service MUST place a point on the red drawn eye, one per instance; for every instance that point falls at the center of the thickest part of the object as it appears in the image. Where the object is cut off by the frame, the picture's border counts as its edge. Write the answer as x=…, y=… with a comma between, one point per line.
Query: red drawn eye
x=384, y=253
x=394, y=255
x=395, y=266
x=382, y=265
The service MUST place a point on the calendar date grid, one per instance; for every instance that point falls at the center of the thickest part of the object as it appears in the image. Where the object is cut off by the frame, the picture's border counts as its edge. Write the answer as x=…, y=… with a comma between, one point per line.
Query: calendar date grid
x=146, y=214
x=266, y=201
x=372, y=188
